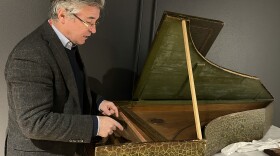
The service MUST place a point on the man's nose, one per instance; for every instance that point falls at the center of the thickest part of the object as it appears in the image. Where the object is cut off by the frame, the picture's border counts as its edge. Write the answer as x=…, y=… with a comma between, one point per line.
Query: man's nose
x=92, y=29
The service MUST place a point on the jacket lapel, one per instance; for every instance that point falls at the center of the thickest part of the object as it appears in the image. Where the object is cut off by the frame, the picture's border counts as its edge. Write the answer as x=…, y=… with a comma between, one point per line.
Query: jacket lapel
x=62, y=60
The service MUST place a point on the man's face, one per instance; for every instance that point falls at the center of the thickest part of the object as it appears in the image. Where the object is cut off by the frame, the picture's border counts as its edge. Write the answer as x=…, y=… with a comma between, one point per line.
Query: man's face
x=82, y=25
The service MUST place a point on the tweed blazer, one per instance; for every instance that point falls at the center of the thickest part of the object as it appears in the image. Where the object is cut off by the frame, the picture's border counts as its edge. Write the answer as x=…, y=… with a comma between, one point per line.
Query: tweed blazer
x=45, y=117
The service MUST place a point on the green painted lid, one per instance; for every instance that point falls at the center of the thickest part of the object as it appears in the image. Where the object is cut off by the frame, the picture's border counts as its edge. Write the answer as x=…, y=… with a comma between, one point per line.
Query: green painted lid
x=165, y=75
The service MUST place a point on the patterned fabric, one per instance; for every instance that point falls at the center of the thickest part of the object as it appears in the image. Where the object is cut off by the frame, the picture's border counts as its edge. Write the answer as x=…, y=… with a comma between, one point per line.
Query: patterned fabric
x=173, y=148
x=235, y=127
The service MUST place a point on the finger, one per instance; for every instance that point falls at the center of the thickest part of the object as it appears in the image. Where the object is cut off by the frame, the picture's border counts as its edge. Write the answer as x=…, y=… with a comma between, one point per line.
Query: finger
x=115, y=110
x=112, y=111
x=118, y=125
x=106, y=112
x=111, y=132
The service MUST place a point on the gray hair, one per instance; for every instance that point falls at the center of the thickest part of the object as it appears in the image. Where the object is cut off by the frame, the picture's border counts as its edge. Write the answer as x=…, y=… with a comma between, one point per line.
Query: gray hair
x=72, y=6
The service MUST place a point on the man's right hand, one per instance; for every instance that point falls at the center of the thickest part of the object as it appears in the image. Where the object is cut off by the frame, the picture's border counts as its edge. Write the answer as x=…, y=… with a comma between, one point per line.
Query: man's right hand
x=107, y=126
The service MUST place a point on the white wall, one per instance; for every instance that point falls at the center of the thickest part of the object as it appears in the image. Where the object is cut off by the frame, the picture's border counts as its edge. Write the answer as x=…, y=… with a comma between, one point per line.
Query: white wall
x=17, y=19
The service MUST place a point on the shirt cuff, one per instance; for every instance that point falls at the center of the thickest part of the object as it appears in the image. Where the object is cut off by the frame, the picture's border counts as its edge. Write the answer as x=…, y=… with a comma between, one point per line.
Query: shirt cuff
x=95, y=130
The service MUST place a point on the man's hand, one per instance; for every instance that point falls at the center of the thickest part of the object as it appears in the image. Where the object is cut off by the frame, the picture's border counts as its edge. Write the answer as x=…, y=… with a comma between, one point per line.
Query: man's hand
x=107, y=126
x=108, y=108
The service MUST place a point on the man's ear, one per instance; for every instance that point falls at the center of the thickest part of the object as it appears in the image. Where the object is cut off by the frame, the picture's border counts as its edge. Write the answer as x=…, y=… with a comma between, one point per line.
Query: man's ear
x=61, y=15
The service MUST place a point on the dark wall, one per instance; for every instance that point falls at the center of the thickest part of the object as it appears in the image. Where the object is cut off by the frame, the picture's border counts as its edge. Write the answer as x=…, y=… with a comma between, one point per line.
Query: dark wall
x=110, y=54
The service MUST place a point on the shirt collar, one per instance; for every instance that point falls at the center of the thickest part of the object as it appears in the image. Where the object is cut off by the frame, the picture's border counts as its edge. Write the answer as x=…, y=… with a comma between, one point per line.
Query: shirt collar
x=65, y=42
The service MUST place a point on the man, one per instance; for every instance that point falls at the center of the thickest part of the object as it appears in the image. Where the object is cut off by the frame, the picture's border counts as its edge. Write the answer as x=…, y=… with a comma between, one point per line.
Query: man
x=50, y=103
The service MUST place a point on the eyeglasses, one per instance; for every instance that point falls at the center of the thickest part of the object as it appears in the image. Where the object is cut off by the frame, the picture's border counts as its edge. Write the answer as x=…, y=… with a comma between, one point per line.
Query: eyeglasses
x=87, y=24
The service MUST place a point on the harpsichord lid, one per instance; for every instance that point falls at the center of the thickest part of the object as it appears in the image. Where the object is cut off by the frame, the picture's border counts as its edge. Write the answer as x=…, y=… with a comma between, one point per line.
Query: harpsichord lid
x=165, y=76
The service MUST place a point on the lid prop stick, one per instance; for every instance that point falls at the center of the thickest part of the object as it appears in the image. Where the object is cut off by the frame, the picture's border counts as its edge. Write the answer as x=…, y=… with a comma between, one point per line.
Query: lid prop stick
x=191, y=80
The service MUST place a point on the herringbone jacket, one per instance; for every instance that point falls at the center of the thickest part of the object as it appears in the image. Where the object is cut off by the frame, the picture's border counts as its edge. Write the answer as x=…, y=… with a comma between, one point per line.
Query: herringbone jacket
x=45, y=117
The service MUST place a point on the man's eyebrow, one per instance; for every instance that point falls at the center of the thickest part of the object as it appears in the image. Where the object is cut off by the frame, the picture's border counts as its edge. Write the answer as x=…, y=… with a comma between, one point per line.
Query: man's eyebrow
x=91, y=17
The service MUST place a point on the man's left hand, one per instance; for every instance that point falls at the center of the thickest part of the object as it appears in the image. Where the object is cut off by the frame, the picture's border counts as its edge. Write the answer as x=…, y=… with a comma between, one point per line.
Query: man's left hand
x=108, y=108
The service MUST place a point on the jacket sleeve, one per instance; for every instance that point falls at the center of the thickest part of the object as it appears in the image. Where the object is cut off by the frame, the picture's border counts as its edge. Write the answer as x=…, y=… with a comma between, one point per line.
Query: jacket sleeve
x=97, y=99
